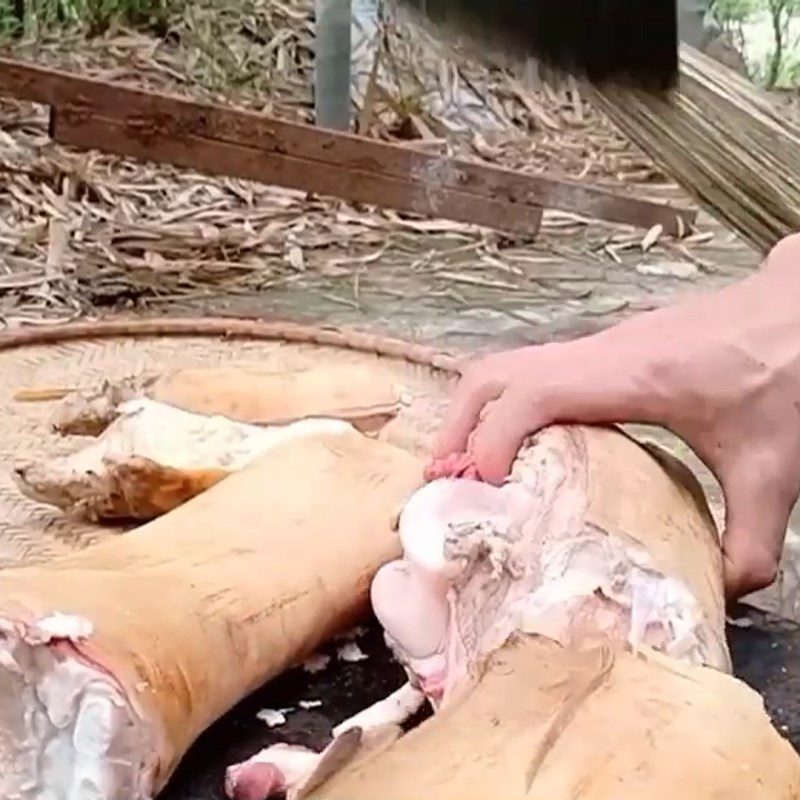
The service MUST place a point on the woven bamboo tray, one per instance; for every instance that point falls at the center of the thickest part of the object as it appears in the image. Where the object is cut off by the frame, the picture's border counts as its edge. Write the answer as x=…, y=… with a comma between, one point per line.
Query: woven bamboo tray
x=83, y=355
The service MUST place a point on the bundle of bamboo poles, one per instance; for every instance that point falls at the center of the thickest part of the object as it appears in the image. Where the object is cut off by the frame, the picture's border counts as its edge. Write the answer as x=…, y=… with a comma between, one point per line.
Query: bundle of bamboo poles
x=723, y=141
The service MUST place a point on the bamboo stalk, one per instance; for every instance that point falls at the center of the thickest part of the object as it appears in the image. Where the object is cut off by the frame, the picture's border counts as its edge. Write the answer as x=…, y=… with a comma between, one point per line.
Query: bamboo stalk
x=723, y=141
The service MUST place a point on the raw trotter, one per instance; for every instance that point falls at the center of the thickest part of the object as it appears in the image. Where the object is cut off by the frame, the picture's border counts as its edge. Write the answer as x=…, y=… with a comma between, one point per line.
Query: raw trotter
x=161, y=440
x=114, y=659
x=356, y=393
x=152, y=458
x=568, y=629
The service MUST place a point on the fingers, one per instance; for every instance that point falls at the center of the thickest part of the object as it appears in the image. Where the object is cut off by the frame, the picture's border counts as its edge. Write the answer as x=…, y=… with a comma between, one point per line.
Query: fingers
x=757, y=514
x=464, y=412
x=505, y=397
x=565, y=396
x=501, y=433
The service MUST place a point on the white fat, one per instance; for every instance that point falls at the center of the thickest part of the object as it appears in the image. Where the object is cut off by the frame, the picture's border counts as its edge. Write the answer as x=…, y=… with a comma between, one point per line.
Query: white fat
x=155, y=432
x=273, y=717
x=392, y=710
x=173, y=437
x=483, y=541
x=437, y=509
x=523, y=557
x=61, y=626
x=622, y=571
x=351, y=653
x=294, y=762
x=418, y=623
x=316, y=663
x=66, y=730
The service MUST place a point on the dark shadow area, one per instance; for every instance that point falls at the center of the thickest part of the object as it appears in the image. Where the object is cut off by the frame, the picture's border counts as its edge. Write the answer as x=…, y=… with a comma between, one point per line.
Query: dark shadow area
x=766, y=655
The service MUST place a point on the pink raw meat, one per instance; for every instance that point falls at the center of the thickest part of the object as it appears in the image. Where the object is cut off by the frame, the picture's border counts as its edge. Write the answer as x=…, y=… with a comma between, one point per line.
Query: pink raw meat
x=253, y=781
x=271, y=771
x=456, y=465
x=482, y=562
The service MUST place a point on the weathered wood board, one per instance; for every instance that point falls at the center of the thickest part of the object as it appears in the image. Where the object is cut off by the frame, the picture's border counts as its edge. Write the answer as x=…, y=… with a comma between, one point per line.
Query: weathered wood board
x=213, y=139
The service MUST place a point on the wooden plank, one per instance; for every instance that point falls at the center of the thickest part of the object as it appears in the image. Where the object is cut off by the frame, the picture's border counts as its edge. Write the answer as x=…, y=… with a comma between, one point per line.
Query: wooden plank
x=226, y=159
x=327, y=162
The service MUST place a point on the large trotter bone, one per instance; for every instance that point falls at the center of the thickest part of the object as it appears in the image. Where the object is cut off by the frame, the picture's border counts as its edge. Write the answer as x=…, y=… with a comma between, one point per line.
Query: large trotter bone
x=592, y=537
x=161, y=440
x=152, y=458
x=569, y=630
x=113, y=660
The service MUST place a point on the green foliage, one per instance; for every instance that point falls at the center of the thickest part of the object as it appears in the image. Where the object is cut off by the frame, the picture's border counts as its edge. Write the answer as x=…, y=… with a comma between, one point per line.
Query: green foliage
x=33, y=16
x=727, y=12
x=782, y=62
x=10, y=18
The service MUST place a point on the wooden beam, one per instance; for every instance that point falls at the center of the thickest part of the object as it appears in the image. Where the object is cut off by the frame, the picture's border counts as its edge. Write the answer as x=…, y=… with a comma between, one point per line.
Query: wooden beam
x=217, y=140
x=217, y=157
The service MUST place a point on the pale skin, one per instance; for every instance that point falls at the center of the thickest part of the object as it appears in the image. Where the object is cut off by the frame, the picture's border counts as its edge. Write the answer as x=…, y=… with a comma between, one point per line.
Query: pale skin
x=722, y=371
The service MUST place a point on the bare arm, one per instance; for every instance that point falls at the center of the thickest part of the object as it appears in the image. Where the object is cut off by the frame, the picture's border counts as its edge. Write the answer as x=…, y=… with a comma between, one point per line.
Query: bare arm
x=722, y=371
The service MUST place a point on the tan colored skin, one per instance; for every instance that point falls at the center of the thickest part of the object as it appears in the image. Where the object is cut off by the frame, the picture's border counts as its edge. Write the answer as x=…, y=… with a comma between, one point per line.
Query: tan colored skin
x=336, y=390
x=139, y=489
x=647, y=495
x=154, y=489
x=593, y=720
x=196, y=609
x=604, y=724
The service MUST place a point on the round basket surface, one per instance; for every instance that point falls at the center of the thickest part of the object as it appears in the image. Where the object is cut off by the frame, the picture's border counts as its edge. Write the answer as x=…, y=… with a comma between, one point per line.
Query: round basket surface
x=82, y=357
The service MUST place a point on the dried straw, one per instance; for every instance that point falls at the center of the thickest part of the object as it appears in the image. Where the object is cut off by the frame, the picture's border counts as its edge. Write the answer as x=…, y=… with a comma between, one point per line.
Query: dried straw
x=724, y=142
x=82, y=231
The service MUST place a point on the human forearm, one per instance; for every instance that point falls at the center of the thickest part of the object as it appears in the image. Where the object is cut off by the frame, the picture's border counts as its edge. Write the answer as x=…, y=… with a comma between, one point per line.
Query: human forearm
x=721, y=370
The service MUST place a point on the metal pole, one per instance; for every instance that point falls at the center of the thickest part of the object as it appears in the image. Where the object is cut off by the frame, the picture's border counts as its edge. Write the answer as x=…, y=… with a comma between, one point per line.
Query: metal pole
x=332, y=64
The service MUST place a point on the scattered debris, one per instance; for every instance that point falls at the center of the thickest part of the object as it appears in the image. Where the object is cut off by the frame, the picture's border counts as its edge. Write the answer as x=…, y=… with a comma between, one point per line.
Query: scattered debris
x=316, y=663
x=351, y=634
x=651, y=237
x=274, y=717
x=351, y=653
x=395, y=709
x=389, y=175
x=132, y=235
x=674, y=269
x=307, y=705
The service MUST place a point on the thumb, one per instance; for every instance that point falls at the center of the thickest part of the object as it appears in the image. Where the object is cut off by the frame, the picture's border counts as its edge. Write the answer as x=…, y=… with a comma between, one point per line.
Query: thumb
x=756, y=516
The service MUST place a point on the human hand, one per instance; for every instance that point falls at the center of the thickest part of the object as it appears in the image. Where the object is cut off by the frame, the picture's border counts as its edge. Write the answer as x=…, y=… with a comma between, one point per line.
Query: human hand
x=721, y=371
